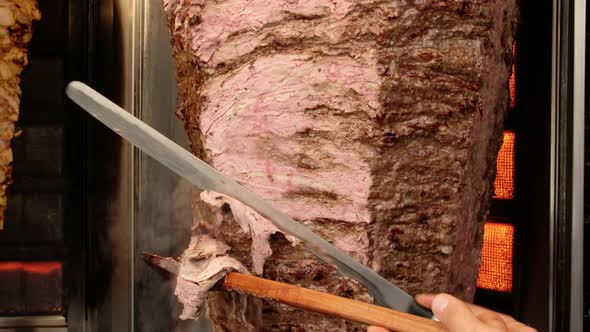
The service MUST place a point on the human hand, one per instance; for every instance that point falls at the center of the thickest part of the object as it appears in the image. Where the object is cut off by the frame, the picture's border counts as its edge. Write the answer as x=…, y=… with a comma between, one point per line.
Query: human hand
x=458, y=316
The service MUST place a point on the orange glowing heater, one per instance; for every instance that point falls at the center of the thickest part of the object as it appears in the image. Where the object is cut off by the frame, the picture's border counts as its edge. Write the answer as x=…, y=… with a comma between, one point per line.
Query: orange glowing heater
x=512, y=82
x=504, y=182
x=495, y=272
x=31, y=288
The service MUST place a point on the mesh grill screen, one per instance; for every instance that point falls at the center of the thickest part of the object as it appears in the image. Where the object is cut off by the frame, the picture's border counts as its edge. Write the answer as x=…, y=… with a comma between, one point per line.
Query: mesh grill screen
x=495, y=272
x=504, y=182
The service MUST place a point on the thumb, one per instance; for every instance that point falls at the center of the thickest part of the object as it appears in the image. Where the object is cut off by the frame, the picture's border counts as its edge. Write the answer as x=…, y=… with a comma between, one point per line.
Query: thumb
x=454, y=314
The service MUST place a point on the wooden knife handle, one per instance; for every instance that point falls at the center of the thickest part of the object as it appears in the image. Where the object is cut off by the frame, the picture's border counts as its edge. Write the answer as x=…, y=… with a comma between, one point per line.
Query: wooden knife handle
x=329, y=304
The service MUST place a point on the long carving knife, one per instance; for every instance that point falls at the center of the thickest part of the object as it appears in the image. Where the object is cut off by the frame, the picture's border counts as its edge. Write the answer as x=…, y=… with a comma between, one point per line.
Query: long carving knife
x=206, y=177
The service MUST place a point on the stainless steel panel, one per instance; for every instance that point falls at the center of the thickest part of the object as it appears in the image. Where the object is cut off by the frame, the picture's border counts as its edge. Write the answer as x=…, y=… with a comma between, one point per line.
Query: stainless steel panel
x=109, y=298
x=162, y=201
x=150, y=206
x=554, y=167
x=566, y=291
x=577, y=229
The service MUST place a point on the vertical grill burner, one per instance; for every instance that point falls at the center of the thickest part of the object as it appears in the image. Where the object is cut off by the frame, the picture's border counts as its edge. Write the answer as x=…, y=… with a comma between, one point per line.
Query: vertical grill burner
x=496, y=267
x=496, y=257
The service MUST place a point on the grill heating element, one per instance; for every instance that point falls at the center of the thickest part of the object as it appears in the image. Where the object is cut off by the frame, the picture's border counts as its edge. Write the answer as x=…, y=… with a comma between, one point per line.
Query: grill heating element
x=30, y=288
x=504, y=182
x=496, y=257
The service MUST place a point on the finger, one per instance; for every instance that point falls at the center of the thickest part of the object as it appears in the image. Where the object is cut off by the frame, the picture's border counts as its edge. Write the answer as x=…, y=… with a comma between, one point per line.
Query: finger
x=494, y=320
x=483, y=314
x=376, y=329
x=425, y=300
x=519, y=327
x=511, y=324
x=478, y=311
x=454, y=314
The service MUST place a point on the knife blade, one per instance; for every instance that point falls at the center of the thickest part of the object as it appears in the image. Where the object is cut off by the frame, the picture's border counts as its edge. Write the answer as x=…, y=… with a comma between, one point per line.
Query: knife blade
x=206, y=177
